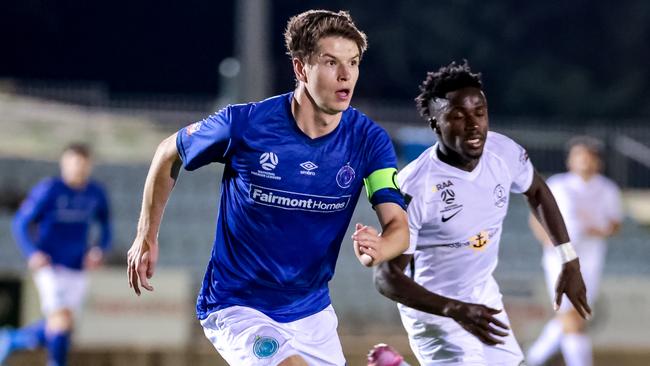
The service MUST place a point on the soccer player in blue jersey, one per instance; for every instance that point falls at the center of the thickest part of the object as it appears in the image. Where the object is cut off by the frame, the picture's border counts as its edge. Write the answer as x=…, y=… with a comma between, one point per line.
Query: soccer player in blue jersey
x=61, y=209
x=294, y=167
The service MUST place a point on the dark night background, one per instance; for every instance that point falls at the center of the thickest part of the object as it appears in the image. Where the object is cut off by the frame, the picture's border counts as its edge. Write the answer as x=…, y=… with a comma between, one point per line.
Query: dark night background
x=576, y=59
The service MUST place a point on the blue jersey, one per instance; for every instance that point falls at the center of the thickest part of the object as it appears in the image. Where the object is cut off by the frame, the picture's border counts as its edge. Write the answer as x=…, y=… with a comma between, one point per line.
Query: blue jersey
x=286, y=203
x=55, y=219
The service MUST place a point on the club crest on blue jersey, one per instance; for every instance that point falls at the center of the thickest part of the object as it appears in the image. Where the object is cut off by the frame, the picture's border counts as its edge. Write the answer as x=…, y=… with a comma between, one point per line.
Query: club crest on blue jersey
x=265, y=347
x=345, y=176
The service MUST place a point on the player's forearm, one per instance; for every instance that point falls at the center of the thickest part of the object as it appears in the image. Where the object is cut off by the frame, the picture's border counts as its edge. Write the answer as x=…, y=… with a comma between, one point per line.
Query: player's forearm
x=20, y=226
x=538, y=230
x=391, y=282
x=396, y=238
x=158, y=187
x=394, y=226
x=546, y=211
x=106, y=238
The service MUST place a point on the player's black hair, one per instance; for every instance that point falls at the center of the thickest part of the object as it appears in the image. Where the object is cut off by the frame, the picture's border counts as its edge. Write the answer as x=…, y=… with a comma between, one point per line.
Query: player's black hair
x=79, y=148
x=594, y=145
x=447, y=79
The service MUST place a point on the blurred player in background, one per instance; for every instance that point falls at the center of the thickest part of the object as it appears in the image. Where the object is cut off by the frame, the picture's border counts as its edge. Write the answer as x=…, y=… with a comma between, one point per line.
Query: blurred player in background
x=52, y=229
x=591, y=206
x=457, y=194
x=295, y=165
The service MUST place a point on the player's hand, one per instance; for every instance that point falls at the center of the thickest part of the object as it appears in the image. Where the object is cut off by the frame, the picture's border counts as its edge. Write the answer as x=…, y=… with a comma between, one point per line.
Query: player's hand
x=570, y=282
x=367, y=245
x=38, y=260
x=94, y=258
x=141, y=263
x=478, y=320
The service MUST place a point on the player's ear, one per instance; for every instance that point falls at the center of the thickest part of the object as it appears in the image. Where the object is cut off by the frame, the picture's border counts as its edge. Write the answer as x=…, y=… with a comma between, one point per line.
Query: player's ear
x=299, y=69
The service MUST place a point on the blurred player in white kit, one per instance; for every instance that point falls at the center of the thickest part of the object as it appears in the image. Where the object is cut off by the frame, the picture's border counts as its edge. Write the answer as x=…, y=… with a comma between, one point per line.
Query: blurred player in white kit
x=591, y=206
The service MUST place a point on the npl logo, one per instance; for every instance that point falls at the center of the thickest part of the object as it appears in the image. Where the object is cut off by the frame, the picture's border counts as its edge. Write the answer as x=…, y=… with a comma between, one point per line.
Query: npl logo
x=268, y=161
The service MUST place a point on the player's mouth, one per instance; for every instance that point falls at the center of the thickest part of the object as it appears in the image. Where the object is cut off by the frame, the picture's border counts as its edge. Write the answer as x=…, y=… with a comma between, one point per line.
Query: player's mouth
x=343, y=94
x=474, y=142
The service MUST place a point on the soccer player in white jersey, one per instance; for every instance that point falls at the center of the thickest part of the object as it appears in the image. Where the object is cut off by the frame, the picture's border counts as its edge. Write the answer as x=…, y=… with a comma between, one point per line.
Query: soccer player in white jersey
x=457, y=194
x=591, y=206
x=294, y=167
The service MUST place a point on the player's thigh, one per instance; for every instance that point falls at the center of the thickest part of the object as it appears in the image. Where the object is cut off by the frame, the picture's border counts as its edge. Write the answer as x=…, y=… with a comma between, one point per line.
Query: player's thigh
x=591, y=267
x=572, y=322
x=246, y=337
x=294, y=361
x=444, y=342
x=75, y=287
x=60, y=288
x=316, y=339
x=507, y=354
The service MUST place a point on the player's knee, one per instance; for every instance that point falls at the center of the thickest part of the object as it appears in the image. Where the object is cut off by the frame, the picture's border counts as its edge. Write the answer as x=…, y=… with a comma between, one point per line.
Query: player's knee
x=60, y=321
x=294, y=360
x=573, y=323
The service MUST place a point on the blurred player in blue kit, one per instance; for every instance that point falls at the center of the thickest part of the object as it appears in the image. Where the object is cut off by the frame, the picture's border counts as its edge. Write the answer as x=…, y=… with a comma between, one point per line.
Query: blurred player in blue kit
x=294, y=168
x=52, y=229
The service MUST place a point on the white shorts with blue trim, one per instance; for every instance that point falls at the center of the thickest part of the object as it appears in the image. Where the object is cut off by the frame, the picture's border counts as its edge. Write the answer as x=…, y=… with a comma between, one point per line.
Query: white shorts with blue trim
x=60, y=288
x=246, y=337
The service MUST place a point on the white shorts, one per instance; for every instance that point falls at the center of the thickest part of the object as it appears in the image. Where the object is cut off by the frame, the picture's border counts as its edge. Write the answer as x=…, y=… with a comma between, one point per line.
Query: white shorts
x=442, y=341
x=60, y=288
x=592, y=257
x=244, y=336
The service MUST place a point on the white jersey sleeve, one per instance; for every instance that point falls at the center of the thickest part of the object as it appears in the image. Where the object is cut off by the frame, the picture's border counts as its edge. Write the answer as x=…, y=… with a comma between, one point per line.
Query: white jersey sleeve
x=515, y=158
x=415, y=207
x=613, y=201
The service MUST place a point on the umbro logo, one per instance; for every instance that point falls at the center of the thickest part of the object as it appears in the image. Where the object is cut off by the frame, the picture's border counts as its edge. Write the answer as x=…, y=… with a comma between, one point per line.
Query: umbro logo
x=447, y=218
x=309, y=166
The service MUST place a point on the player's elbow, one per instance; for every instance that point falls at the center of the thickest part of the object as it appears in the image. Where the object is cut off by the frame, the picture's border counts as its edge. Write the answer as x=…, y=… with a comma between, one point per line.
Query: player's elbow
x=386, y=278
x=167, y=149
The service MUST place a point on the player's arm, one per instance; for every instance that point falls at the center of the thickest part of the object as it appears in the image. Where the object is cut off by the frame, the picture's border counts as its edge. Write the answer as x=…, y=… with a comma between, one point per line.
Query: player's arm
x=538, y=230
x=95, y=255
x=392, y=241
x=143, y=255
x=477, y=319
x=28, y=214
x=546, y=211
x=371, y=247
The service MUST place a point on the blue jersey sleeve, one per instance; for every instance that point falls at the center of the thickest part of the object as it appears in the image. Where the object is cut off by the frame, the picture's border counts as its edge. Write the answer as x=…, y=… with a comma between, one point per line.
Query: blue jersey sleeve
x=206, y=141
x=104, y=219
x=381, y=175
x=30, y=212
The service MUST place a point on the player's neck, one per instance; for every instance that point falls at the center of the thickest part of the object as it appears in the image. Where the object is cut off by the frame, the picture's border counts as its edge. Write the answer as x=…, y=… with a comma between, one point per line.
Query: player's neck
x=75, y=185
x=452, y=158
x=586, y=176
x=311, y=120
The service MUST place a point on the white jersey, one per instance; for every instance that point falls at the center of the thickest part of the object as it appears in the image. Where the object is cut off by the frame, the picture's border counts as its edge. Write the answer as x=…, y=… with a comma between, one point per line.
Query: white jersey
x=455, y=219
x=595, y=203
